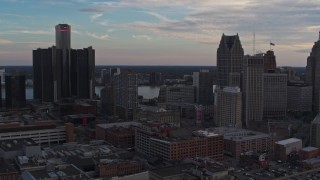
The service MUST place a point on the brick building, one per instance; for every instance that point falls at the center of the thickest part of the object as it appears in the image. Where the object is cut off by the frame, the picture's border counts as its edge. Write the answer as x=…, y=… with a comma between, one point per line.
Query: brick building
x=287, y=146
x=238, y=141
x=7, y=171
x=308, y=153
x=111, y=168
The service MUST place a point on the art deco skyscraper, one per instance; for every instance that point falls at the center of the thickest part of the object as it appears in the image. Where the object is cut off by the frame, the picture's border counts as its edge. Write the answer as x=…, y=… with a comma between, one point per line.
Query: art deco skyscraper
x=313, y=74
x=229, y=58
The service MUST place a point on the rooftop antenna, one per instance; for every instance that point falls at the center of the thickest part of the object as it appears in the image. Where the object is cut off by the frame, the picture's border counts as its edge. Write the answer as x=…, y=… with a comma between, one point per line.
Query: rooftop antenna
x=254, y=44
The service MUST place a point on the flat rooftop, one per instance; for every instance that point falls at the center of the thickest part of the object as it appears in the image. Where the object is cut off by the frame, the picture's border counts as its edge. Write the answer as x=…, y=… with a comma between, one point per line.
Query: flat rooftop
x=119, y=124
x=288, y=141
x=172, y=170
x=16, y=144
x=239, y=134
x=6, y=167
x=309, y=149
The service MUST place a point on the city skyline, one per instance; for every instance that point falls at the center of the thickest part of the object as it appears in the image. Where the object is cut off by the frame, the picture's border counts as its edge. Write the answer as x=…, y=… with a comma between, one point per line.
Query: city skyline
x=160, y=32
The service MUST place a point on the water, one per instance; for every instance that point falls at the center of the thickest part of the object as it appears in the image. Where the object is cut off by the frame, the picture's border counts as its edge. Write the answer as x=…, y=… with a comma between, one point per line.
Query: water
x=147, y=92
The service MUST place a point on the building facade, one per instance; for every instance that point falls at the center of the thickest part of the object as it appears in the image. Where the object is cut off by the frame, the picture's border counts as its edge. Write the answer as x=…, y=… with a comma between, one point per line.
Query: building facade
x=315, y=132
x=203, y=81
x=229, y=58
x=180, y=93
x=313, y=74
x=274, y=96
x=252, y=88
x=228, y=107
x=15, y=91
x=299, y=97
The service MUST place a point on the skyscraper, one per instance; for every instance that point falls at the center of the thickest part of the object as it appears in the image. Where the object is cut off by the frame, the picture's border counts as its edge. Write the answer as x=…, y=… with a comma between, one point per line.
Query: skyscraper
x=203, y=81
x=270, y=64
x=15, y=91
x=229, y=58
x=61, y=72
x=252, y=87
x=313, y=74
x=228, y=107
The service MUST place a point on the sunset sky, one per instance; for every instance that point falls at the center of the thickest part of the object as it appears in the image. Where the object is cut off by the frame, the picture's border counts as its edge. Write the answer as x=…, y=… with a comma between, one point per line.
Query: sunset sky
x=160, y=32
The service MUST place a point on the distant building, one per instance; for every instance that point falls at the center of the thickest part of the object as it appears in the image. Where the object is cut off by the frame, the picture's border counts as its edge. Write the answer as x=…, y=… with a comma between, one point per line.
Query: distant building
x=228, y=107
x=270, y=64
x=239, y=141
x=180, y=93
x=155, y=79
x=229, y=58
x=203, y=81
x=116, y=168
x=299, y=97
x=159, y=115
x=252, y=88
x=10, y=149
x=107, y=99
x=2, y=75
x=15, y=91
x=126, y=95
x=313, y=74
x=309, y=152
x=315, y=132
x=235, y=79
x=285, y=147
x=274, y=96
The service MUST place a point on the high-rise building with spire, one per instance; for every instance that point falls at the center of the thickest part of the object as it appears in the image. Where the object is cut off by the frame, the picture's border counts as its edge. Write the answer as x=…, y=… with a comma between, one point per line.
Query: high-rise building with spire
x=313, y=74
x=229, y=58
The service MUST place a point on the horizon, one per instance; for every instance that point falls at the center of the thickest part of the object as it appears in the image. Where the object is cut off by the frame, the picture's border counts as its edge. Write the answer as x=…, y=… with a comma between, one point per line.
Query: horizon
x=160, y=32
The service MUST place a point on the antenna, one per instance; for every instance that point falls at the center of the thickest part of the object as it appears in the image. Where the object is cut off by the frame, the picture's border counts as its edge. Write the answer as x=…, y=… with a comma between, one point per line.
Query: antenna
x=254, y=44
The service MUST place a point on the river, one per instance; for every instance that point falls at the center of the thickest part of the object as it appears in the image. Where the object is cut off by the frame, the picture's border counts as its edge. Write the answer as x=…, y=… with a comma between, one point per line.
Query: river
x=147, y=92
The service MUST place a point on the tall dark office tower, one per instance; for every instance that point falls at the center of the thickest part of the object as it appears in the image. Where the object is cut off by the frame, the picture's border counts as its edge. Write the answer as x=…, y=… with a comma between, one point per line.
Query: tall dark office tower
x=252, y=87
x=83, y=73
x=313, y=74
x=1, y=77
x=203, y=81
x=63, y=42
x=47, y=74
x=229, y=58
x=59, y=75
x=15, y=91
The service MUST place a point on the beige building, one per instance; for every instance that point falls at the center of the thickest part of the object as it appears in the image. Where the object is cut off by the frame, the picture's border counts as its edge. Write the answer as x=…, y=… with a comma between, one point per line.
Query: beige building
x=155, y=114
x=315, y=132
x=180, y=93
x=285, y=147
x=228, y=107
x=274, y=95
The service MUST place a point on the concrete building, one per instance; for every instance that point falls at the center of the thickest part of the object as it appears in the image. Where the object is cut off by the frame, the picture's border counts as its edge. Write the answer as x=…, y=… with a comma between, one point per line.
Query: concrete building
x=126, y=95
x=8, y=171
x=274, y=96
x=299, y=97
x=229, y=58
x=228, y=107
x=16, y=91
x=285, y=147
x=10, y=149
x=203, y=81
x=238, y=141
x=61, y=72
x=107, y=99
x=252, y=88
x=155, y=79
x=235, y=79
x=315, y=132
x=313, y=74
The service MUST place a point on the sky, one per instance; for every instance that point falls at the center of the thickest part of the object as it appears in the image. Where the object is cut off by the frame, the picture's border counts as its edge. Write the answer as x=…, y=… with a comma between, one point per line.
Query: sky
x=160, y=32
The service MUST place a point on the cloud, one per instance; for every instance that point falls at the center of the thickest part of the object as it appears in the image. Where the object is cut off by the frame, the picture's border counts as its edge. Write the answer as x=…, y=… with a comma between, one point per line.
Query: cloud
x=100, y=37
x=95, y=9
x=95, y=16
x=145, y=37
x=36, y=32
x=5, y=42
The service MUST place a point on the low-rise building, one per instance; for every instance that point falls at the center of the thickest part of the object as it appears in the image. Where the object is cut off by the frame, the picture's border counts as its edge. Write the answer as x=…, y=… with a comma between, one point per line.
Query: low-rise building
x=8, y=171
x=285, y=147
x=308, y=153
x=113, y=168
x=238, y=141
x=18, y=147
x=160, y=115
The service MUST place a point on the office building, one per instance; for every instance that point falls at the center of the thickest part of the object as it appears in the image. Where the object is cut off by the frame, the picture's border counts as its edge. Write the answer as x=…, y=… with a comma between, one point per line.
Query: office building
x=2, y=75
x=203, y=81
x=229, y=58
x=313, y=74
x=155, y=79
x=61, y=72
x=315, y=132
x=228, y=107
x=107, y=99
x=252, y=87
x=15, y=91
x=180, y=93
x=270, y=64
x=235, y=79
x=274, y=96
x=126, y=95
x=299, y=97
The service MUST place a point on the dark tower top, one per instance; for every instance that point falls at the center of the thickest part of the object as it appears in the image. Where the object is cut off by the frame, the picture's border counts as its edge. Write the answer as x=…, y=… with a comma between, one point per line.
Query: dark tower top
x=63, y=36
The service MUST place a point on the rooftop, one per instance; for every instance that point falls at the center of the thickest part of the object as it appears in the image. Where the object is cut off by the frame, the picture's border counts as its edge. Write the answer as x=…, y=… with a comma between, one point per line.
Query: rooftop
x=6, y=167
x=120, y=124
x=309, y=148
x=238, y=134
x=288, y=141
x=16, y=144
x=172, y=170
